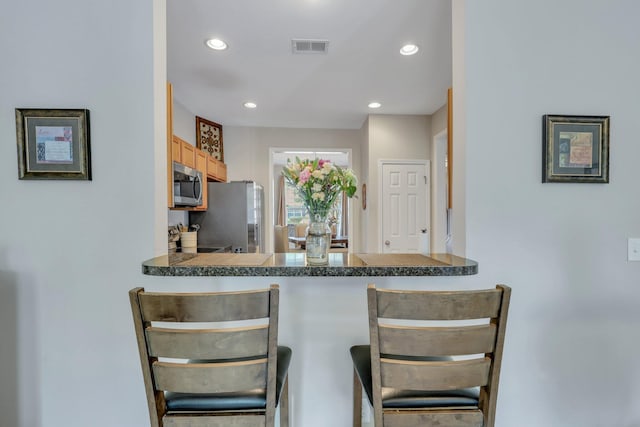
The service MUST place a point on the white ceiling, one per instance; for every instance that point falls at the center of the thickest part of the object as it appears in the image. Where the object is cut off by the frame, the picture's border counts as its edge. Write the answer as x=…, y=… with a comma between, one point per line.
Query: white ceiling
x=308, y=90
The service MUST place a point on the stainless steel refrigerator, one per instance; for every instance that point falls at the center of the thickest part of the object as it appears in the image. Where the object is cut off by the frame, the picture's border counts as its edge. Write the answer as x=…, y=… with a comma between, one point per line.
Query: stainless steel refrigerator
x=235, y=217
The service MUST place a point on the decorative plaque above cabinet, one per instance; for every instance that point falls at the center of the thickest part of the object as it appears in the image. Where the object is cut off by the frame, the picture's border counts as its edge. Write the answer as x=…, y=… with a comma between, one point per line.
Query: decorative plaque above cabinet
x=209, y=138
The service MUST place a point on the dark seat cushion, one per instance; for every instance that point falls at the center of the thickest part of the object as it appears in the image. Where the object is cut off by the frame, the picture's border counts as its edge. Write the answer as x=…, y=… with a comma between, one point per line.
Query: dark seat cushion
x=250, y=399
x=394, y=398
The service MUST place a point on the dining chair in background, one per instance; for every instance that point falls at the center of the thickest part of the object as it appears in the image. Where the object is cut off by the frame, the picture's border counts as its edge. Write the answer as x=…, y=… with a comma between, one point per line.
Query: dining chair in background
x=434, y=357
x=207, y=361
x=280, y=239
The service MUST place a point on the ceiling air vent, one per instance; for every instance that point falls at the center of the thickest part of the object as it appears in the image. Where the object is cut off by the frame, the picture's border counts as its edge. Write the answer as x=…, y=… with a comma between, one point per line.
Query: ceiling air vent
x=309, y=46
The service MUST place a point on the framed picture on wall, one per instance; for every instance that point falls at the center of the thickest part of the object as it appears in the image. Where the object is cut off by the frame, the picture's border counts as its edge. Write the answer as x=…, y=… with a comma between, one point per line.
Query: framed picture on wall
x=53, y=144
x=209, y=138
x=575, y=149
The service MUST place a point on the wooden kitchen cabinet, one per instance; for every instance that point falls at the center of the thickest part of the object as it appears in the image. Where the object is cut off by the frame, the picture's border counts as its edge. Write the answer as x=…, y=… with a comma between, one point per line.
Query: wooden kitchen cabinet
x=187, y=153
x=216, y=170
x=212, y=168
x=201, y=162
x=176, y=150
x=222, y=171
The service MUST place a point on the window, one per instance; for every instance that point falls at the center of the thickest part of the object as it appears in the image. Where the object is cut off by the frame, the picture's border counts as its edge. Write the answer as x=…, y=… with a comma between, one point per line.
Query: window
x=294, y=210
x=296, y=213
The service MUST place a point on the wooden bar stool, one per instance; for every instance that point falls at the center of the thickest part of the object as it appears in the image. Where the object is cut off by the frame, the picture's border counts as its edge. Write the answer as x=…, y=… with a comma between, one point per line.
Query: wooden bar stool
x=443, y=372
x=208, y=375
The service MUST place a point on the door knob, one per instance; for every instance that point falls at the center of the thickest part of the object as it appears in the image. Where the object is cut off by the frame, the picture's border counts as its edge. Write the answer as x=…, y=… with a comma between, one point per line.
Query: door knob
x=386, y=242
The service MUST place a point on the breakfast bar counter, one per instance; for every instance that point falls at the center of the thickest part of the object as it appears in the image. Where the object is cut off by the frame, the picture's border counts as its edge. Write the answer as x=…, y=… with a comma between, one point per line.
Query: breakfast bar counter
x=294, y=264
x=323, y=310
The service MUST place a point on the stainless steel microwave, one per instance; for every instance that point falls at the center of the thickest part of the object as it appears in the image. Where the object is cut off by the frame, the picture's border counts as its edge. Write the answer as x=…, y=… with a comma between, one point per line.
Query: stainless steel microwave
x=187, y=186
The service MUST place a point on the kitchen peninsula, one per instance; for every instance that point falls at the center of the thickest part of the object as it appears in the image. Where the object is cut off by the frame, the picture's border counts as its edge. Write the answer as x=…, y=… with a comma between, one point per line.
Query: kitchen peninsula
x=323, y=309
x=293, y=264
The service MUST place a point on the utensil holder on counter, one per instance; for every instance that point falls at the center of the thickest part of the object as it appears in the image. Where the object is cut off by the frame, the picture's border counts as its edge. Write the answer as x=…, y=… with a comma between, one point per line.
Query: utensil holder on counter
x=189, y=241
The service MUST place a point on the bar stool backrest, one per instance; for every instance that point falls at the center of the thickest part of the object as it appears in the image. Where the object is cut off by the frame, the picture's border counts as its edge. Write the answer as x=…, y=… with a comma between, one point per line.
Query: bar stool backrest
x=186, y=351
x=460, y=347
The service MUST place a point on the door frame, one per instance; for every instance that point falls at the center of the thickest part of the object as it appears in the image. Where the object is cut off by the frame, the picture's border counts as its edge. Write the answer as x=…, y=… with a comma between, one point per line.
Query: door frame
x=439, y=192
x=383, y=162
x=270, y=219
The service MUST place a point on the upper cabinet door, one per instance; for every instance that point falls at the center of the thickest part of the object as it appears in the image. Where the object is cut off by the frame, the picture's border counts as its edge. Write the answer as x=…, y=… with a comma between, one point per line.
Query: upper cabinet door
x=187, y=153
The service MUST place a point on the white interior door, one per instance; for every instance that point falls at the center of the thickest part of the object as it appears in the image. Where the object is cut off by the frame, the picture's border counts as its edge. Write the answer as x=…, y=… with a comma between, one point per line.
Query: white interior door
x=405, y=206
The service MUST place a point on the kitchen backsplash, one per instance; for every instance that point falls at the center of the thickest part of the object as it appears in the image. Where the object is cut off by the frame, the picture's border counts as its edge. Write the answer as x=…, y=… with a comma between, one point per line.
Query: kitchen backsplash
x=178, y=217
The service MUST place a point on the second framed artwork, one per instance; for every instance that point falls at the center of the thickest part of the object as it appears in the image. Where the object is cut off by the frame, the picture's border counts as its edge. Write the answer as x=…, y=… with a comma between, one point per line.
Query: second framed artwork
x=575, y=149
x=209, y=138
x=53, y=144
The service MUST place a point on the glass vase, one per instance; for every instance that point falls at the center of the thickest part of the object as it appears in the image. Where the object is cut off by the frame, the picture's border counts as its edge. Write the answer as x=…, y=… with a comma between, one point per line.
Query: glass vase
x=318, y=240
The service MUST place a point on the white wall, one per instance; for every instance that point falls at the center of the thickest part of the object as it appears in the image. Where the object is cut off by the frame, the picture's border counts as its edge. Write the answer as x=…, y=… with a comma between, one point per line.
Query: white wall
x=459, y=158
x=439, y=121
x=574, y=333
x=391, y=138
x=70, y=251
x=439, y=183
x=184, y=122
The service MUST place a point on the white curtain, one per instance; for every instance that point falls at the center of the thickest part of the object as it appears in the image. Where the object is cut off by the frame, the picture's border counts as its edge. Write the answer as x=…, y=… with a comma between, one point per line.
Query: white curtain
x=344, y=216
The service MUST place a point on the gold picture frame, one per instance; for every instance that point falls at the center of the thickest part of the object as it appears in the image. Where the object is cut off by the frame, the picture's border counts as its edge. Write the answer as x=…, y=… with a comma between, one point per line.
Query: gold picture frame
x=53, y=144
x=575, y=149
x=209, y=138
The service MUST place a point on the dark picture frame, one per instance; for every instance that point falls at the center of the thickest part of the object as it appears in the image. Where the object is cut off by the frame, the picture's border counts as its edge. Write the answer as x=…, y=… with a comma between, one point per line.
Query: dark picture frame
x=209, y=138
x=575, y=149
x=53, y=144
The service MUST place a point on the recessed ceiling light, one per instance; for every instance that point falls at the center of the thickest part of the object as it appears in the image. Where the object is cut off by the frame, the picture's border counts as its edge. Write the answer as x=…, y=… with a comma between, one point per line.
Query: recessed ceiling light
x=375, y=105
x=216, y=44
x=409, y=49
x=250, y=104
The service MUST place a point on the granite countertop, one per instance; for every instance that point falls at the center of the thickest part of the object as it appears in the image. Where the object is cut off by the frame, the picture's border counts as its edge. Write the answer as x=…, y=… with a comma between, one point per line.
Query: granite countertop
x=294, y=264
